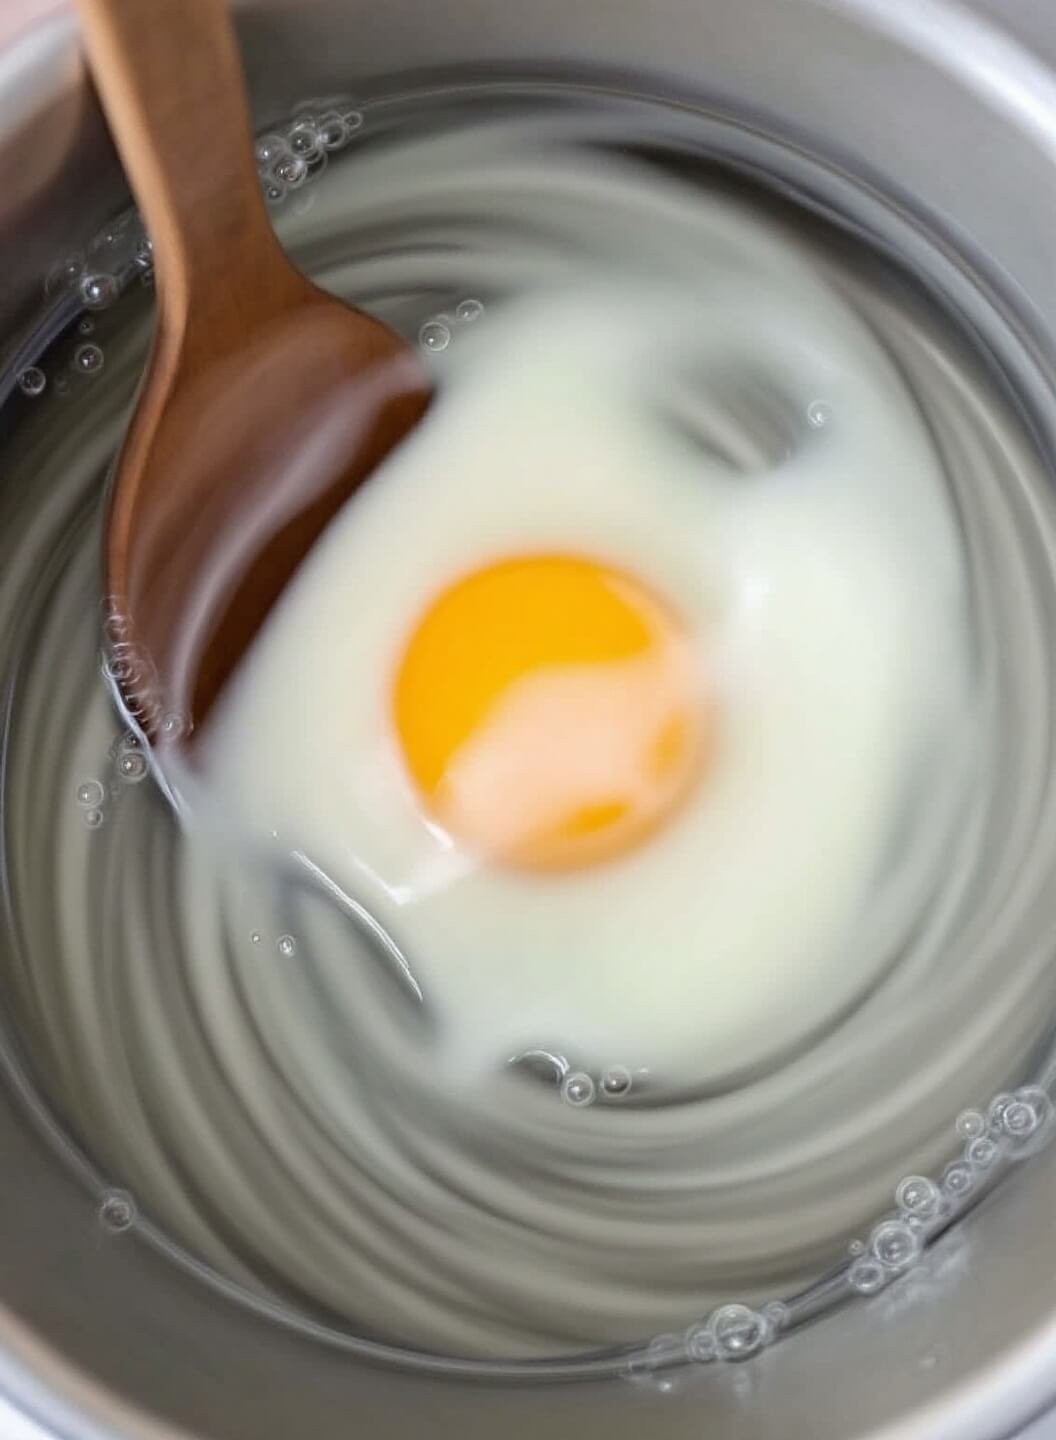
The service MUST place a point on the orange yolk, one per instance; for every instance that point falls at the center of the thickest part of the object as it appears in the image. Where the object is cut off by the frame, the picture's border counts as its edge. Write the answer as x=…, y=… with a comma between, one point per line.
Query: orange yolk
x=549, y=713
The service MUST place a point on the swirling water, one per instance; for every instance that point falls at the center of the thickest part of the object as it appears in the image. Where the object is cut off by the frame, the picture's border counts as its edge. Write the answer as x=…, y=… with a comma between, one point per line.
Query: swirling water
x=212, y=1066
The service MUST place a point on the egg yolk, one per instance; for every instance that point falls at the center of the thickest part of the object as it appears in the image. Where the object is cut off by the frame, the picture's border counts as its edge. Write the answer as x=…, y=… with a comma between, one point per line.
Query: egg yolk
x=549, y=711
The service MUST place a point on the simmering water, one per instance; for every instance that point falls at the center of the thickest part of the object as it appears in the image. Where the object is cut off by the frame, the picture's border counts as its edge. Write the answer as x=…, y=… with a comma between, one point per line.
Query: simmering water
x=209, y=1069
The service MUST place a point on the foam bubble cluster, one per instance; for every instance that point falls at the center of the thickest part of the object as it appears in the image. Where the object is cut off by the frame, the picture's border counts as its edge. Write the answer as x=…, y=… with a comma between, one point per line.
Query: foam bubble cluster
x=896, y=1244
x=291, y=155
x=436, y=334
x=1015, y=1125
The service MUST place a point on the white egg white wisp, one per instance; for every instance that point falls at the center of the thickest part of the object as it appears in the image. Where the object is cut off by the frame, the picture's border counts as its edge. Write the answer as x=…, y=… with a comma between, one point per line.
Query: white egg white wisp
x=822, y=593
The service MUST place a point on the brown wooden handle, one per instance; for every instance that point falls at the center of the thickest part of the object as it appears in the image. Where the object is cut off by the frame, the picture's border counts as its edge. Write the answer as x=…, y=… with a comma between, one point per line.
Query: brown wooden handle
x=171, y=81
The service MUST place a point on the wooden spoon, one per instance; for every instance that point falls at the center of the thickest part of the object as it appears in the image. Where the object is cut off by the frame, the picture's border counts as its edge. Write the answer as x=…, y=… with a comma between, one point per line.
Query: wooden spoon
x=265, y=402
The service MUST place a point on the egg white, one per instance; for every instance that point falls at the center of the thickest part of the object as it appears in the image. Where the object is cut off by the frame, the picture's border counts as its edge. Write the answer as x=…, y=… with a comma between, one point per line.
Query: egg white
x=823, y=596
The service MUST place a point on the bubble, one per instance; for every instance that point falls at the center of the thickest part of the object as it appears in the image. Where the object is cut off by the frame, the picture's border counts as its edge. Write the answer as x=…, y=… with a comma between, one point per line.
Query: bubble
x=577, y=1089
x=957, y=1179
x=867, y=1276
x=895, y=1244
x=286, y=946
x=856, y=1247
x=86, y=325
x=970, y=1124
x=94, y=819
x=995, y=1116
x=174, y=726
x=256, y=937
x=290, y=171
x=128, y=666
x=333, y=132
x=90, y=793
x=1019, y=1120
x=273, y=191
x=98, y=291
x=616, y=1081
x=118, y=665
x=116, y=624
x=132, y=767
x=117, y=1211
x=739, y=1331
x=268, y=149
x=145, y=253
x=32, y=380
x=819, y=414
x=303, y=139
x=128, y=741
x=700, y=1344
x=543, y=1064
x=1024, y=1121
x=353, y=120
x=469, y=310
x=434, y=335
x=88, y=359
x=981, y=1152
x=1039, y=1100
x=918, y=1196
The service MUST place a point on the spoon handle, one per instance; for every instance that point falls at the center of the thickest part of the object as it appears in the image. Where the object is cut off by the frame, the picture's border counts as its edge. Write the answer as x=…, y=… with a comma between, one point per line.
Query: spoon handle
x=171, y=82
